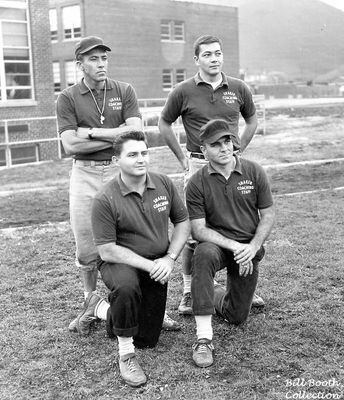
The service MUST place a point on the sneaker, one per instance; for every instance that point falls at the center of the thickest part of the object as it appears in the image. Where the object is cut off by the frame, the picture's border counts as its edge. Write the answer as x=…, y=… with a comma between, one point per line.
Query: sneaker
x=257, y=301
x=170, y=324
x=202, y=353
x=85, y=319
x=131, y=371
x=185, y=306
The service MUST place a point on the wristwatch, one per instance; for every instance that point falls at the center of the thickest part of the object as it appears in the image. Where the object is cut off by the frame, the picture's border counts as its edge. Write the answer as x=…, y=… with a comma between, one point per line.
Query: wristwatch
x=173, y=256
x=90, y=134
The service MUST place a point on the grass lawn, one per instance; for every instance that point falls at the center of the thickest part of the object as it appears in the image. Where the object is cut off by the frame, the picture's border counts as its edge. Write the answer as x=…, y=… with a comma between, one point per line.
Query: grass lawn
x=299, y=334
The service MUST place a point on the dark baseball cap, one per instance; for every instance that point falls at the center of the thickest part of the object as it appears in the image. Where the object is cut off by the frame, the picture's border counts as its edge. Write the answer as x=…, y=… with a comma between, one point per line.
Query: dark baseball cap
x=215, y=129
x=88, y=43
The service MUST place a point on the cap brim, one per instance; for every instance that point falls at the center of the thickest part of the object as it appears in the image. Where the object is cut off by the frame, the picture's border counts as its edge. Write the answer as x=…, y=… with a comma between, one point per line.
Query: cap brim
x=218, y=136
x=94, y=47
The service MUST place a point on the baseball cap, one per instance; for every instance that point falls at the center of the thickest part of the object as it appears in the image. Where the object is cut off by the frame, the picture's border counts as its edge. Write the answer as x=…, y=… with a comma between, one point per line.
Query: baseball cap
x=215, y=129
x=88, y=43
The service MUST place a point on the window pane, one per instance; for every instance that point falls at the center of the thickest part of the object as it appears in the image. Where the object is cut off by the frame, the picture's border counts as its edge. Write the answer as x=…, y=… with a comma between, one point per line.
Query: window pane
x=178, y=30
x=15, y=34
x=57, y=77
x=167, y=79
x=180, y=75
x=13, y=14
x=18, y=94
x=23, y=154
x=16, y=54
x=71, y=22
x=70, y=73
x=165, y=30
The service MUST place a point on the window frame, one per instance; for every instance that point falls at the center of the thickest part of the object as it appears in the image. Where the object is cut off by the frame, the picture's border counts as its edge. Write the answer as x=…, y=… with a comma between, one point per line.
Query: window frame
x=4, y=100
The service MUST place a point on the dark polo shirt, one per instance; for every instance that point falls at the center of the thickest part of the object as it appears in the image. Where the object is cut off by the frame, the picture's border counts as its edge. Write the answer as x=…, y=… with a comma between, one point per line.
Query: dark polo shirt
x=231, y=206
x=76, y=108
x=137, y=223
x=197, y=103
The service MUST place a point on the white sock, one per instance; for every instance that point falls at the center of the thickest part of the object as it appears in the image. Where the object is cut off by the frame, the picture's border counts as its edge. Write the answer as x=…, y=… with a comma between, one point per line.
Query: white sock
x=204, y=329
x=87, y=293
x=125, y=345
x=101, y=310
x=187, y=283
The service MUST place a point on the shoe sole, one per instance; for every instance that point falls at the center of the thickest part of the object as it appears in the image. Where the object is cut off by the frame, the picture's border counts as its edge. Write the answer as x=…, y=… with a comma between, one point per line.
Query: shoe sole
x=204, y=365
x=185, y=312
x=135, y=384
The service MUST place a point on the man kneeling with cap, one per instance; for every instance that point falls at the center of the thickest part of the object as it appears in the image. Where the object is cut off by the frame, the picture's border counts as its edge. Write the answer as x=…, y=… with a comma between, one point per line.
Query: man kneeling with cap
x=231, y=211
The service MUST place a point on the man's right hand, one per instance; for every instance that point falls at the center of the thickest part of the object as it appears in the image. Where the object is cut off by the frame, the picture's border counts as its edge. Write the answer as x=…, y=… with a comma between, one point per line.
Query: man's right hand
x=162, y=269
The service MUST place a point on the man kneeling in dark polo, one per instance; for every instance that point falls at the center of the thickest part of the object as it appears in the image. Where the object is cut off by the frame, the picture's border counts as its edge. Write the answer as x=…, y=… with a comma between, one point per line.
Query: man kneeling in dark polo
x=231, y=212
x=130, y=221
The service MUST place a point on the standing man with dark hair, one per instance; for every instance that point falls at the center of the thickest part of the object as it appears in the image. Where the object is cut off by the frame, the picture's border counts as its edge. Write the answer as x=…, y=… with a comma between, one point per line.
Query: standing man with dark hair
x=231, y=211
x=130, y=220
x=209, y=94
x=90, y=114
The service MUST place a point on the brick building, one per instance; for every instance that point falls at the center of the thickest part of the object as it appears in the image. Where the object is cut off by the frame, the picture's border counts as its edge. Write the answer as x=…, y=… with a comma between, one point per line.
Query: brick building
x=26, y=90
x=151, y=43
x=151, y=40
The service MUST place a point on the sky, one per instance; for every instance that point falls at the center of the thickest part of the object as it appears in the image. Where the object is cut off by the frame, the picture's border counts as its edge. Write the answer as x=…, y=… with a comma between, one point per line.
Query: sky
x=335, y=3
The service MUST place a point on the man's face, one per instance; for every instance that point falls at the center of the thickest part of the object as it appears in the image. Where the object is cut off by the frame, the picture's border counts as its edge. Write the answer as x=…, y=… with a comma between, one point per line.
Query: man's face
x=219, y=152
x=134, y=159
x=94, y=65
x=210, y=59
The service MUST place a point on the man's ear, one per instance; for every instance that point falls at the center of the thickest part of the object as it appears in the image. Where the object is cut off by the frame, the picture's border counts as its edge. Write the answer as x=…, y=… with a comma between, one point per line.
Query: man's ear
x=204, y=151
x=114, y=159
x=196, y=60
x=80, y=66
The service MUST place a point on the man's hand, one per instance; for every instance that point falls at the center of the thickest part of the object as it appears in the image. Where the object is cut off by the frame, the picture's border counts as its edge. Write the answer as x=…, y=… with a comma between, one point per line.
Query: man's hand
x=162, y=269
x=83, y=133
x=246, y=269
x=245, y=253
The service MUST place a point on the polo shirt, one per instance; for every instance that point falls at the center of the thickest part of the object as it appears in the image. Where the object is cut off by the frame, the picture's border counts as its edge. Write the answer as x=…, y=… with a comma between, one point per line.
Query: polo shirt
x=139, y=223
x=197, y=103
x=75, y=108
x=230, y=206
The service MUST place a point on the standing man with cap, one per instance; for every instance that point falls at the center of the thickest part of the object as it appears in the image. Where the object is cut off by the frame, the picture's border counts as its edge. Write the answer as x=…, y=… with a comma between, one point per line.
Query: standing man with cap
x=231, y=211
x=209, y=94
x=90, y=114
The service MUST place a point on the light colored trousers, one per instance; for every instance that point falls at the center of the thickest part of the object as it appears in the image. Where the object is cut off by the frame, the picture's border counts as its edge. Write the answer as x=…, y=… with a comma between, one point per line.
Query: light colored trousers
x=85, y=182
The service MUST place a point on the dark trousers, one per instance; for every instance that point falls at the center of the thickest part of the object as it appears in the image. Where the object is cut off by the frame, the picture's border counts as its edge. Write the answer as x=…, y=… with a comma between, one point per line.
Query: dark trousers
x=232, y=303
x=137, y=303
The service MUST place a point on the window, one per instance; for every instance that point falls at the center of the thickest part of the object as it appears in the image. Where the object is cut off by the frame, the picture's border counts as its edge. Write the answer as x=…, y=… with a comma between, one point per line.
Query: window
x=71, y=22
x=57, y=77
x=180, y=75
x=53, y=25
x=19, y=153
x=172, y=31
x=15, y=52
x=72, y=73
x=167, y=78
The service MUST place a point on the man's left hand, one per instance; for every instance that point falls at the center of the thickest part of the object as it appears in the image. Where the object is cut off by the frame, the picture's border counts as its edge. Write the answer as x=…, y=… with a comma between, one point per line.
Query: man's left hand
x=245, y=253
x=162, y=269
x=246, y=269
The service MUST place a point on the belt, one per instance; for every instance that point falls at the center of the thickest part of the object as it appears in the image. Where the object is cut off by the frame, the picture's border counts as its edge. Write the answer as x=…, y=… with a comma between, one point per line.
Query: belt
x=92, y=163
x=197, y=155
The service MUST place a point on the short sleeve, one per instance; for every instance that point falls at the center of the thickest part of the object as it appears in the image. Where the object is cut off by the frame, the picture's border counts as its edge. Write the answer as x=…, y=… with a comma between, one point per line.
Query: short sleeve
x=173, y=106
x=103, y=222
x=65, y=112
x=248, y=108
x=131, y=106
x=195, y=200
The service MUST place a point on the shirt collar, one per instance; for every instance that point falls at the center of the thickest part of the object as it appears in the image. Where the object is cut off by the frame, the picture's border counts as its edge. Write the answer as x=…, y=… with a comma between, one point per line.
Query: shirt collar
x=237, y=168
x=124, y=188
x=198, y=79
x=84, y=89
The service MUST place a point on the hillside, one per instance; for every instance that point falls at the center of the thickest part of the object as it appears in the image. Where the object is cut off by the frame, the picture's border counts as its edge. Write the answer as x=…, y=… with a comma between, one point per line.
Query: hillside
x=297, y=39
